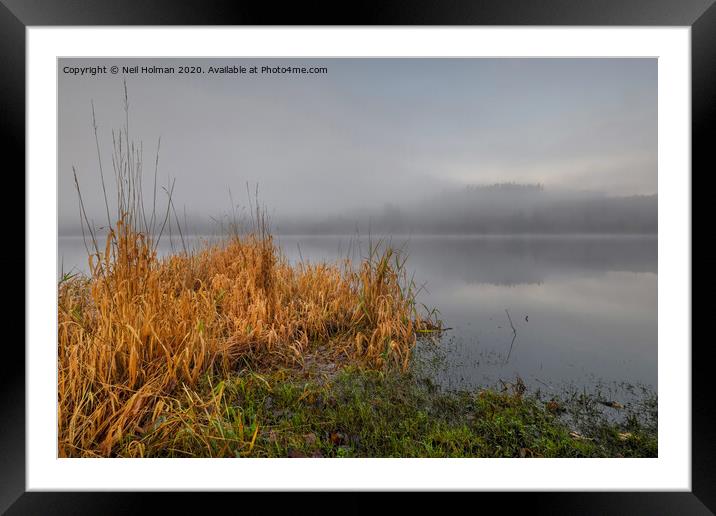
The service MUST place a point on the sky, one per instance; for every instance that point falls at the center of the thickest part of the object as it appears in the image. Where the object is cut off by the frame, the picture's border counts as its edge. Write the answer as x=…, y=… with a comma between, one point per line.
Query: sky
x=366, y=133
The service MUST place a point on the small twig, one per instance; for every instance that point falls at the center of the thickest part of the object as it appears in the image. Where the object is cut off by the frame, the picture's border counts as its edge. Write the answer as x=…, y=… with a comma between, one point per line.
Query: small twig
x=166, y=215
x=101, y=172
x=510, y=319
x=514, y=336
x=181, y=235
x=512, y=344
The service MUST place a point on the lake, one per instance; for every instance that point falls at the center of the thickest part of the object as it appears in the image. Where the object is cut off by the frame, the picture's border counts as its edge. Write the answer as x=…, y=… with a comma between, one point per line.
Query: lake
x=584, y=308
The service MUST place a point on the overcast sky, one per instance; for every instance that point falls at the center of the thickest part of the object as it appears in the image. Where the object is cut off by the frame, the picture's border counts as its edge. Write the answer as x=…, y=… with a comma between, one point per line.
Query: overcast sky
x=370, y=131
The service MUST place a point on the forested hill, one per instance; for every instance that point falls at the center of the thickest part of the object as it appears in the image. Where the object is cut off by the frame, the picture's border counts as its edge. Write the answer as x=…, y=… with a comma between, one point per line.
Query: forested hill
x=494, y=209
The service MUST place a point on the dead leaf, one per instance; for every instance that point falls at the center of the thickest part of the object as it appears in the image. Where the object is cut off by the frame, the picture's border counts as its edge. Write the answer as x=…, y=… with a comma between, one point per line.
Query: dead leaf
x=338, y=438
x=554, y=407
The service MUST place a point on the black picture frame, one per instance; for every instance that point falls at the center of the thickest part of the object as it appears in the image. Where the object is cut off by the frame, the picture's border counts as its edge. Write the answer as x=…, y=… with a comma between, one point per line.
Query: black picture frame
x=16, y=15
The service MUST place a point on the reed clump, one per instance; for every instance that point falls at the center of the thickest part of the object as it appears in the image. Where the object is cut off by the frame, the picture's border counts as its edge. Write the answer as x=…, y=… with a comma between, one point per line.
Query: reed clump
x=140, y=328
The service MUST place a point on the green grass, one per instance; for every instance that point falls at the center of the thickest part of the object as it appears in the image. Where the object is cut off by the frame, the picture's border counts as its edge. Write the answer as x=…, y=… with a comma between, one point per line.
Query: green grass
x=359, y=413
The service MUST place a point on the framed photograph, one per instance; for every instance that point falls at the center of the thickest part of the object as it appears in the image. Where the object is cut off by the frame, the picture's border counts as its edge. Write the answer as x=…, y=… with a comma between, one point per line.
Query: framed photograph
x=415, y=250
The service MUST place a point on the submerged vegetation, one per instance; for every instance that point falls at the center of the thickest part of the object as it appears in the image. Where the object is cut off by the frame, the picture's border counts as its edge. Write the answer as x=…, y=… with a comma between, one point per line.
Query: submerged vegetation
x=229, y=350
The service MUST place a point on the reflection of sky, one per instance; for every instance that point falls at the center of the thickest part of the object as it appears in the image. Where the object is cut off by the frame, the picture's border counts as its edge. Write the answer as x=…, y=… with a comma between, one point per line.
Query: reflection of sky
x=591, y=302
x=371, y=131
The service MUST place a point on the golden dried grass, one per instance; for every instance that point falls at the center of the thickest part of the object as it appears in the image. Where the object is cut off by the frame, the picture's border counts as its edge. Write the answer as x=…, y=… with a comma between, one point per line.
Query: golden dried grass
x=140, y=330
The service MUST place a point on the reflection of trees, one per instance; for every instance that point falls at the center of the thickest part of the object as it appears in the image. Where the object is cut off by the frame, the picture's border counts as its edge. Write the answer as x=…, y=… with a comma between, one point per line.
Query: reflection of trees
x=503, y=261
x=514, y=261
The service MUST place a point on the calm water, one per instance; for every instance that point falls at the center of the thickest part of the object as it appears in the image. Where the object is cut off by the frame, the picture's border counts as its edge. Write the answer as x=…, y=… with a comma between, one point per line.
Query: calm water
x=584, y=308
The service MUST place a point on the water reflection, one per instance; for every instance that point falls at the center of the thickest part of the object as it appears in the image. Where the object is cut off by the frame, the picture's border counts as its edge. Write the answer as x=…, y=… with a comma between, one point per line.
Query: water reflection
x=557, y=311
x=583, y=308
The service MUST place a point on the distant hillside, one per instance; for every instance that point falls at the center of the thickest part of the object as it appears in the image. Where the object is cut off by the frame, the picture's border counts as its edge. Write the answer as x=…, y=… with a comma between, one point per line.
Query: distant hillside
x=503, y=208
x=498, y=208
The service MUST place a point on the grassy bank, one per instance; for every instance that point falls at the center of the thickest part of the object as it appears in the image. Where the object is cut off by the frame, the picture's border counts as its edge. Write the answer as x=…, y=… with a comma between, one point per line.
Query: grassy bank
x=364, y=413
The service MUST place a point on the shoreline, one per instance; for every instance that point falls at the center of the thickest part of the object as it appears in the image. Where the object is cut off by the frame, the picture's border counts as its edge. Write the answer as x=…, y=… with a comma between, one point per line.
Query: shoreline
x=325, y=411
